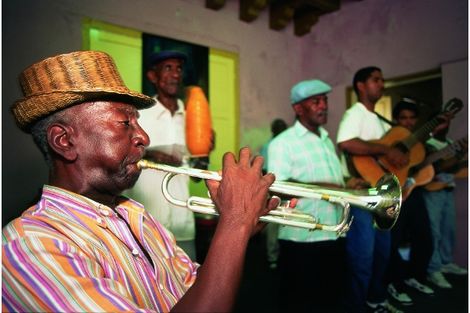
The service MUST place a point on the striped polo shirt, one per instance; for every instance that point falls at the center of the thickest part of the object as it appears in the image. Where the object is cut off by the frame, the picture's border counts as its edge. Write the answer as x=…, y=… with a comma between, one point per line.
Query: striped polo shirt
x=68, y=253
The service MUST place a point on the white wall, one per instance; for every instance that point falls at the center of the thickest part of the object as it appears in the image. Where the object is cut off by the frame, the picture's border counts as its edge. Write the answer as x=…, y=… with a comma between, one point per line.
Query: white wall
x=400, y=36
x=455, y=84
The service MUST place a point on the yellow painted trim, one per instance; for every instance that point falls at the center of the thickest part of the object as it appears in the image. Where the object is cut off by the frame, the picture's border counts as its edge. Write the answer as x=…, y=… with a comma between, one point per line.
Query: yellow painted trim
x=234, y=57
x=88, y=23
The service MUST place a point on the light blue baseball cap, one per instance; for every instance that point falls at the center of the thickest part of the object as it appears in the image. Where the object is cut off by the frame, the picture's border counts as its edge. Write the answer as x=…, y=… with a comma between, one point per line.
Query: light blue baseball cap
x=308, y=88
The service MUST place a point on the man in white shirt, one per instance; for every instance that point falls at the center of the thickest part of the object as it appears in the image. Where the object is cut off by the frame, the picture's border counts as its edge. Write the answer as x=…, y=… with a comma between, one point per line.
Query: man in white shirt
x=367, y=248
x=165, y=124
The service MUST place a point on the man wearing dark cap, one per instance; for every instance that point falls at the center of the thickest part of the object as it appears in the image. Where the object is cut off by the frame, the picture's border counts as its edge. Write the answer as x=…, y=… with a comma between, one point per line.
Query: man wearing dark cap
x=165, y=124
x=85, y=248
x=310, y=262
x=412, y=223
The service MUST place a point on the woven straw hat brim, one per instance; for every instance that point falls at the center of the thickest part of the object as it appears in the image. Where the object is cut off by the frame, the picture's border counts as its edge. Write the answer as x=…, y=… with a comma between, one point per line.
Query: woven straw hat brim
x=68, y=79
x=29, y=109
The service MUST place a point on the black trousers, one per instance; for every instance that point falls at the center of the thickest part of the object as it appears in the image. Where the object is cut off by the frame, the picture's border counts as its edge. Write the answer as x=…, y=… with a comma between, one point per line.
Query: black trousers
x=413, y=228
x=311, y=275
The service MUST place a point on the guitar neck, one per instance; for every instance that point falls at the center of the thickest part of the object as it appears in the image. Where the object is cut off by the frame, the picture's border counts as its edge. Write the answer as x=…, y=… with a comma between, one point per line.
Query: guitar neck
x=447, y=152
x=422, y=134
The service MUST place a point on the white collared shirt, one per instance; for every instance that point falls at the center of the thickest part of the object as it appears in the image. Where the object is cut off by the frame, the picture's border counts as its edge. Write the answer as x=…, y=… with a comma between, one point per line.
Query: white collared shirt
x=167, y=134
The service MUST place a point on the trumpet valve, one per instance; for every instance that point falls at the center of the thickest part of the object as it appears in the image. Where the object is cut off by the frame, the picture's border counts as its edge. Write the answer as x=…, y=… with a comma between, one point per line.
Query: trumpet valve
x=293, y=203
x=287, y=205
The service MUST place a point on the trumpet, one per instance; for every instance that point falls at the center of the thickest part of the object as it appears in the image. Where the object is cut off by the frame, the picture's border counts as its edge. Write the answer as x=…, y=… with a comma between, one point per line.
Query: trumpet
x=383, y=201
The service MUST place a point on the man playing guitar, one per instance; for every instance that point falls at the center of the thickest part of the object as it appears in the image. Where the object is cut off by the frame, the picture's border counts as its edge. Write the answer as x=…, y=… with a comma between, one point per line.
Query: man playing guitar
x=412, y=224
x=367, y=249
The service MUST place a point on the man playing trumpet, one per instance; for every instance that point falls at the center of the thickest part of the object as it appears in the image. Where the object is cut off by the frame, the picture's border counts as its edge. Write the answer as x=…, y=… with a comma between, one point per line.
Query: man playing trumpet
x=85, y=248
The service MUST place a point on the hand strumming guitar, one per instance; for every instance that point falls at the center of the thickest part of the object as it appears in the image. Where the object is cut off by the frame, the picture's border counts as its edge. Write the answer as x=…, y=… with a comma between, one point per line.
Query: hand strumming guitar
x=396, y=157
x=357, y=183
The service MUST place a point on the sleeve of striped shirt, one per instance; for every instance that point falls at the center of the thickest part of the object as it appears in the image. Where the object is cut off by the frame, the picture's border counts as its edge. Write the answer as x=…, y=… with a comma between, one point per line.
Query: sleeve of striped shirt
x=50, y=275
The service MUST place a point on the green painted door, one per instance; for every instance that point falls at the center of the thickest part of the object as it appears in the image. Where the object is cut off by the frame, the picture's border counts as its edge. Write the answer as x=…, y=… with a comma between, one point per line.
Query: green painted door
x=123, y=44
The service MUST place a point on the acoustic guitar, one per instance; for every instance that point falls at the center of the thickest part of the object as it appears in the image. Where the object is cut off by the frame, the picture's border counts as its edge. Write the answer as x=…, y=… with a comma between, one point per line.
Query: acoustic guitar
x=372, y=168
x=460, y=168
x=424, y=172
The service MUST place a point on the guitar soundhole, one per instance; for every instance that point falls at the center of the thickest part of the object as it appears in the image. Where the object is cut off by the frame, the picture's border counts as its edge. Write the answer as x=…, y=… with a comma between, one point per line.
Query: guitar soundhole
x=400, y=146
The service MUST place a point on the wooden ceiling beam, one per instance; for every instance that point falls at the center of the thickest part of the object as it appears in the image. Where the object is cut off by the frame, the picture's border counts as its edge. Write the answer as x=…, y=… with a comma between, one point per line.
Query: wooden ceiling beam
x=303, y=13
x=324, y=6
x=215, y=4
x=281, y=13
x=250, y=9
x=304, y=21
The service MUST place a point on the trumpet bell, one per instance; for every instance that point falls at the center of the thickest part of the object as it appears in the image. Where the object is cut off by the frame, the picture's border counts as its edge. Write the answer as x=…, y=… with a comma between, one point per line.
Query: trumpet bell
x=383, y=201
x=389, y=191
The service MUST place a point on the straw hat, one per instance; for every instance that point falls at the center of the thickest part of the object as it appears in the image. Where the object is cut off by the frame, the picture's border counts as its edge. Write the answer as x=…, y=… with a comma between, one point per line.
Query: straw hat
x=69, y=79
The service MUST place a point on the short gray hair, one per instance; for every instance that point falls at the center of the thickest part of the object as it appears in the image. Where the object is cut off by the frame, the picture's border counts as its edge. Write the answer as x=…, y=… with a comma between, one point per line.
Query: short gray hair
x=39, y=133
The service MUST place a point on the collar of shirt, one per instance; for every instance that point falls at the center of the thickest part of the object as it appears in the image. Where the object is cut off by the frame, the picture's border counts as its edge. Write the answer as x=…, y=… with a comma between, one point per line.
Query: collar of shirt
x=92, y=209
x=363, y=107
x=301, y=130
x=74, y=207
x=161, y=109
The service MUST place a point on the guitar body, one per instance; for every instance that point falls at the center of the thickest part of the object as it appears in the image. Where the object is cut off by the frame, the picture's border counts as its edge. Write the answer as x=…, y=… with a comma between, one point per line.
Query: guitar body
x=437, y=185
x=368, y=168
x=462, y=173
x=372, y=169
x=422, y=177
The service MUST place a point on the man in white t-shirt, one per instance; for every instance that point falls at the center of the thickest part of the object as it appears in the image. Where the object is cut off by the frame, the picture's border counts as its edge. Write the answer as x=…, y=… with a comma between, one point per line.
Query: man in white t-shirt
x=367, y=248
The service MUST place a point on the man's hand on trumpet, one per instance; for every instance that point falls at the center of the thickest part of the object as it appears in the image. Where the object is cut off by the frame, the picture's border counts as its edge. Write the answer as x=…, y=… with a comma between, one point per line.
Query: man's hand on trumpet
x=241, y=197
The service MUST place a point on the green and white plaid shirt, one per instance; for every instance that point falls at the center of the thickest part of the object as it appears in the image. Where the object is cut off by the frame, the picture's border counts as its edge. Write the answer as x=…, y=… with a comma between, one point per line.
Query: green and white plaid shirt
x=300, y=155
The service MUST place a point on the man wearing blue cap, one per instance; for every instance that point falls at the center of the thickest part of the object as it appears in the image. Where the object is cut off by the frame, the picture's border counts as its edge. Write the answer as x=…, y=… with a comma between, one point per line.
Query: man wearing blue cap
x=165, y=124
x=310, y=262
